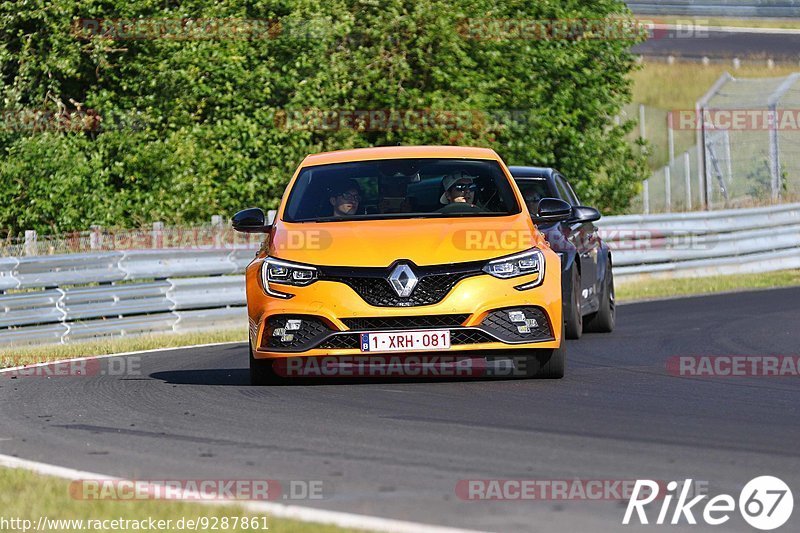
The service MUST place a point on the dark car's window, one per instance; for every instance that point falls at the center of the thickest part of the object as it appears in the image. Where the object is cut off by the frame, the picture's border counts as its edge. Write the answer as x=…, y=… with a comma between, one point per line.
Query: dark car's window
x=533, y=190
x=399, y=188
x=565, y=191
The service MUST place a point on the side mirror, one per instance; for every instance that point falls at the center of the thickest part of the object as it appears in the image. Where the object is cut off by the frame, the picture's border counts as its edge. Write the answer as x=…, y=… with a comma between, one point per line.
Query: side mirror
x=582, y=213
x=552, y=210
x=250, y=221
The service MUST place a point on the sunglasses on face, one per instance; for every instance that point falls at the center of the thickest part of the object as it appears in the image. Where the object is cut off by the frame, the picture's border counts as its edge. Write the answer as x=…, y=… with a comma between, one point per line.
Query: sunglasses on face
x=462, y=187
x=350, y=196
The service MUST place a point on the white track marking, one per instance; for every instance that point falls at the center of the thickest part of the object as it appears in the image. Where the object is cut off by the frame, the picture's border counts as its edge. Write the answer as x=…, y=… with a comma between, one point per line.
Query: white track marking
x=293, y=512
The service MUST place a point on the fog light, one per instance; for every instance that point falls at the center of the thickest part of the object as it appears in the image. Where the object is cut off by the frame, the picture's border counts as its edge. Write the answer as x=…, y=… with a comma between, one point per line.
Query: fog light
x=278, y=332
x=516, y=316
x=293, y=325
x=523, y=329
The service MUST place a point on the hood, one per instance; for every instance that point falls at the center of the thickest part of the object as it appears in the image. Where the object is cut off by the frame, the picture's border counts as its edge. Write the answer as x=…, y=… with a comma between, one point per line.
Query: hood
x=424, y=241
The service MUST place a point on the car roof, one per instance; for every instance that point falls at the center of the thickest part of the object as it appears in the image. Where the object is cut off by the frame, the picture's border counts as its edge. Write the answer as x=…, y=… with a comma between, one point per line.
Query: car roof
x=532, y=172
x=400, y=152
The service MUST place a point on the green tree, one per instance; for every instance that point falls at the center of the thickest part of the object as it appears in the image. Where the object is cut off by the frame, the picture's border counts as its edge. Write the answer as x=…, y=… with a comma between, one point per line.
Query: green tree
x=193, y=127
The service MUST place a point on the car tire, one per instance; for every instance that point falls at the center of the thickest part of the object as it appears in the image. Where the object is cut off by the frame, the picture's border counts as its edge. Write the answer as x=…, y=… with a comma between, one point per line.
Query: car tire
x=261, y=371
x=604, y=319
x=548, y=364
x=573, y=319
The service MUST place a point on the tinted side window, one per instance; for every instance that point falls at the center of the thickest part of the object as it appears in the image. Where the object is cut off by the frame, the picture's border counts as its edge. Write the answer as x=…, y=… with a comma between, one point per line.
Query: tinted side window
x=565, y=190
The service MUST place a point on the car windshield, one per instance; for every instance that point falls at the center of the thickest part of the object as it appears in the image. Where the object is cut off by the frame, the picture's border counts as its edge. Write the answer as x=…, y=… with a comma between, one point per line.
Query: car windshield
x=400, y=188
x=533, y=190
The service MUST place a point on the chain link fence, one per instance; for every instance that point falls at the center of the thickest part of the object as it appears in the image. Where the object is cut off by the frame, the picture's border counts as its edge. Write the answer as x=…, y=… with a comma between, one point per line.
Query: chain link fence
x=739, y=147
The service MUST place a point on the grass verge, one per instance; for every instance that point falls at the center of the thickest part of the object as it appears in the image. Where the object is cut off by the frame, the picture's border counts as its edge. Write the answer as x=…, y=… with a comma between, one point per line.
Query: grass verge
x=28, y=496
x=645, y=290
x=677, y=87
x=680, y=85
x=51, y=352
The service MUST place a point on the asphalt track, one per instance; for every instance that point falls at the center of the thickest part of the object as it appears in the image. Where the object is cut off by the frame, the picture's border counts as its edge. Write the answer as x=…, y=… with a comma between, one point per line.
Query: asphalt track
x=397, y=450
x=722, y=45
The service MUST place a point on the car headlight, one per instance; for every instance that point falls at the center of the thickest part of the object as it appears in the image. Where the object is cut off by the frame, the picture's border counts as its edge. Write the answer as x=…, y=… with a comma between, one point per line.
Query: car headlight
x=521, y=264
x=285, y=273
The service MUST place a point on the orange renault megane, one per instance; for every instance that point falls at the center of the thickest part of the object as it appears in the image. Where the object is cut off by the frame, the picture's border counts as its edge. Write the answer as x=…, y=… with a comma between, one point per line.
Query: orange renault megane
x=423, y=251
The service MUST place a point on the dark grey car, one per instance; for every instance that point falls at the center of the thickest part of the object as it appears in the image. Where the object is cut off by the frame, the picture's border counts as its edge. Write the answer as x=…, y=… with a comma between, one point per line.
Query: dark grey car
x=588, y=282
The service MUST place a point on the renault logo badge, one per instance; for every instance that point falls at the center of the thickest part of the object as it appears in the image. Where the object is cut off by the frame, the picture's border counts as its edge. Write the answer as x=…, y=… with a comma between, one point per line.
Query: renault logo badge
x=403, y=280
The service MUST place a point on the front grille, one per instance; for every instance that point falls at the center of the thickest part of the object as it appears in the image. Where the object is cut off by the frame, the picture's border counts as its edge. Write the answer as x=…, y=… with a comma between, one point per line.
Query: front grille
x=434, y=282
x=347, y=341
x=405, y=322
x=378, y=292
x=276, y=337
x=499, y=324
x=470, y=336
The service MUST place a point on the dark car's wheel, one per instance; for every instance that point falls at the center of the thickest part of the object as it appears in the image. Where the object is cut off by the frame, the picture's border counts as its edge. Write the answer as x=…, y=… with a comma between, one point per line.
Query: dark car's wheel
x=603, y=320
x=261, y=371
x=573, y=319
x=547, y=364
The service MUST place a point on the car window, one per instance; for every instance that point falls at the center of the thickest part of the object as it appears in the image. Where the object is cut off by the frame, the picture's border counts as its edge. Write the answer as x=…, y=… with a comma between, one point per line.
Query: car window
x=572, y=193
x=533, y=190
x=565, y=190
x=400, y=188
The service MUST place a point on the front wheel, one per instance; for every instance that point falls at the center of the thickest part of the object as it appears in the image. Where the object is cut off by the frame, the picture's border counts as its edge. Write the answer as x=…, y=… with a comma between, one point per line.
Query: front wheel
x=547, y=364
x=261, y=370
x=573, y=319
x=604, y=319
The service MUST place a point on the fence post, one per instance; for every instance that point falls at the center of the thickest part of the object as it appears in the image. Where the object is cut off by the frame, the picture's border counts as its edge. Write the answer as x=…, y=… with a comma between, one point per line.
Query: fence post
x=646, y=196
x=687, y=176
x=667, y=189
x=158, y=235
x=671, y=137
x=30, y=242
x=774, y=154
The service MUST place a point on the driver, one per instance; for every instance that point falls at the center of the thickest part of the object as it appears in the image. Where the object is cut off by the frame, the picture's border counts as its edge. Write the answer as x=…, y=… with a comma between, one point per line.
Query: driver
x=459, y=193
x=345, y=197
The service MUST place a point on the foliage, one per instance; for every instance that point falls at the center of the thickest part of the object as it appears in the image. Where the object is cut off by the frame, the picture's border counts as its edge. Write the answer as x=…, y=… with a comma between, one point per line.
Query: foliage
x=190, y=127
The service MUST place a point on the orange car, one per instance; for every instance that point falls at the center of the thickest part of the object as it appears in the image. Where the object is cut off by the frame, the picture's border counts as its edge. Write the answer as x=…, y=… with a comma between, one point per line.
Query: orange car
x=405, y=251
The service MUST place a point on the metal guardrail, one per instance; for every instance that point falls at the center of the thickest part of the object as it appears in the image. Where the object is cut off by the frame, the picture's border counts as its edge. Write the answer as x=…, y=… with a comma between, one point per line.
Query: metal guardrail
x=704, y=243
x=717, y=8
x=78, y=296
x=62, y=298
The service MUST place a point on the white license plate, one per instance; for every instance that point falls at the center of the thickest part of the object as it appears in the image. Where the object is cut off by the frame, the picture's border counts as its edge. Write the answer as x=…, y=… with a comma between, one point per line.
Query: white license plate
x=403, y=341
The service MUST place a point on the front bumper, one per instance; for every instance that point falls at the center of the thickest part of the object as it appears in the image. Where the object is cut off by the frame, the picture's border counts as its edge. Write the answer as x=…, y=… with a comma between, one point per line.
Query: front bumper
x=476, y=311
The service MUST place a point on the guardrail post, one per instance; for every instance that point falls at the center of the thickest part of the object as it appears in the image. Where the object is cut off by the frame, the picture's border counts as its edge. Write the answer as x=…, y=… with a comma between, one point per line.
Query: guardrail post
x=216, y=224
x=30, y=242
x=96, y=237
x=158, y=235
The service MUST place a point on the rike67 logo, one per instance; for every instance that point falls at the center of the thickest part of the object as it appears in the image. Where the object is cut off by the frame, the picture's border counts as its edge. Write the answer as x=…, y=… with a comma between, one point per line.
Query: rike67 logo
x=765, y=503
